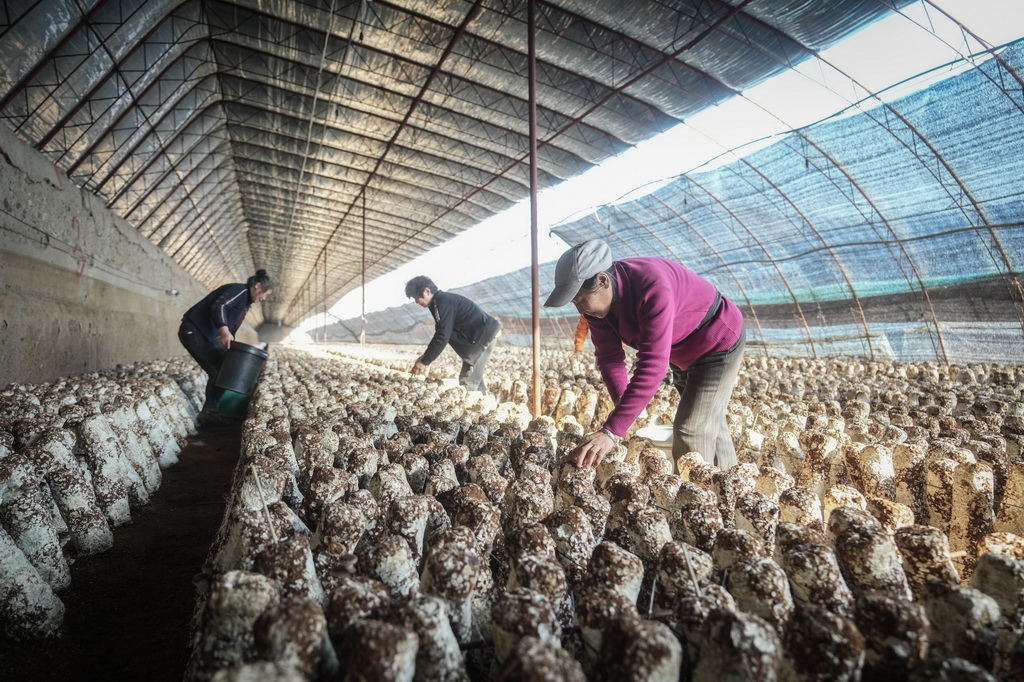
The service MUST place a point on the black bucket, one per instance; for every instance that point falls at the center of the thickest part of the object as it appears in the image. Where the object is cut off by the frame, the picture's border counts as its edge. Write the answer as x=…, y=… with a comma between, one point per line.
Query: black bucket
x=241, y=369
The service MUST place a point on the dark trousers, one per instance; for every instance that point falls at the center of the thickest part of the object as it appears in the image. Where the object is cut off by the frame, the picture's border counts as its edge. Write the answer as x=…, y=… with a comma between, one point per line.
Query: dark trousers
x=210, y=356
x=704, y=392
x=472, y=374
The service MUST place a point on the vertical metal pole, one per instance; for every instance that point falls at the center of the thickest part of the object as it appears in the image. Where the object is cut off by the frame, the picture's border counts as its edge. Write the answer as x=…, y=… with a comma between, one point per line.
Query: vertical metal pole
x=362, y=312
x=531, y=9
x=325, y=295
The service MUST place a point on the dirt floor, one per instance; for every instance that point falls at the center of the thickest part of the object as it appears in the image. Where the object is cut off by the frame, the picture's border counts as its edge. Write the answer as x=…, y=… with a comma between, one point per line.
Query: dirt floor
x=128, y=609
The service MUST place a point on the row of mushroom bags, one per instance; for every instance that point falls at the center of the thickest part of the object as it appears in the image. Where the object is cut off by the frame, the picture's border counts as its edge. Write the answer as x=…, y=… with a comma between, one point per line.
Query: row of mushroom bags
x=386, y=527
x=406, y=529
x=76, y=457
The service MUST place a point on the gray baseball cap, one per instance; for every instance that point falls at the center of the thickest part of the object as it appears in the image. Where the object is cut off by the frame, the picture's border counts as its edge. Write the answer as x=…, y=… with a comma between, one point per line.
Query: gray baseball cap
x=576, y=266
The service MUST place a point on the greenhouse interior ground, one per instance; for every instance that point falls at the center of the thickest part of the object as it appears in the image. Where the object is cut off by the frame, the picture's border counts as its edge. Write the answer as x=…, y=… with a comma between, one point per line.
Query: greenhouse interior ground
x=841, y=176
x=875, y=515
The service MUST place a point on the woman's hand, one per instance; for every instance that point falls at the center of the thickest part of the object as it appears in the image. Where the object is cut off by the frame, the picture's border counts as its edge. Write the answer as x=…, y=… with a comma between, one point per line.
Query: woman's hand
x=418, y=367
x=592, y=449
x=226, y=337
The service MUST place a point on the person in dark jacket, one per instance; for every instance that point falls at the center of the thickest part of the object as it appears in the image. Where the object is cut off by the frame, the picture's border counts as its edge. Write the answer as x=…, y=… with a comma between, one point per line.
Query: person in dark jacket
x=459, y=323
x=208, y=328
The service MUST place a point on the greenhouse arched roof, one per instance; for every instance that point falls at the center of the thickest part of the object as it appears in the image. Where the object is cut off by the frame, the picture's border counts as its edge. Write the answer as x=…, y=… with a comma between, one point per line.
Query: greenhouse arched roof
x=329, y=141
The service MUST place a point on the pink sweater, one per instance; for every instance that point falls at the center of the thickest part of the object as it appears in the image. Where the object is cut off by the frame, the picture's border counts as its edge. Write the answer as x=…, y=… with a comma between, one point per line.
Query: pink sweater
x=659, y=305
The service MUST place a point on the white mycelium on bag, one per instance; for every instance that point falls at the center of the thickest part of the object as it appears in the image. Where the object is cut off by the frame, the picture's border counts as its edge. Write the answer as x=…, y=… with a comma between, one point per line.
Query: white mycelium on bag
x=926, y=556
x=75, y=498
x=75, y=455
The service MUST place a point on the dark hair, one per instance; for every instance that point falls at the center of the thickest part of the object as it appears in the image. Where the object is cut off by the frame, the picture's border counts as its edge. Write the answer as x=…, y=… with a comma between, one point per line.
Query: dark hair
x=262, y=278
x=591, y=283
x=415, y=286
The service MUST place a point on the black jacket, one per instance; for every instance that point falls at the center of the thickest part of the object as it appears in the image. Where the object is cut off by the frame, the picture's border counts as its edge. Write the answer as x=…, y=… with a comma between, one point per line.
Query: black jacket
x=225, y=306
x=461, y=323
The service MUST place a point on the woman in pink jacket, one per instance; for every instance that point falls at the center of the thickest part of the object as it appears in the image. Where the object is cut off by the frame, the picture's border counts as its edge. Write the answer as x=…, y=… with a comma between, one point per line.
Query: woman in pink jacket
x=672, y=317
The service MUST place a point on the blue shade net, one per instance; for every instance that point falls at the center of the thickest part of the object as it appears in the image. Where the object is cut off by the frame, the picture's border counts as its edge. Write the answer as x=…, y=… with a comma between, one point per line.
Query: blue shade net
x=891, y=234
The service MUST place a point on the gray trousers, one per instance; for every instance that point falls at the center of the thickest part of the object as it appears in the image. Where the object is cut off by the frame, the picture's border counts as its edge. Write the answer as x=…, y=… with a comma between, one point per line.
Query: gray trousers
x=704, y=392
x=472, y=374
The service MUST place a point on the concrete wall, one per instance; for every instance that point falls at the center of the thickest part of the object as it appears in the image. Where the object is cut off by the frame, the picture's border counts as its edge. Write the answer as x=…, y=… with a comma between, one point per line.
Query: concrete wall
x=80, y=289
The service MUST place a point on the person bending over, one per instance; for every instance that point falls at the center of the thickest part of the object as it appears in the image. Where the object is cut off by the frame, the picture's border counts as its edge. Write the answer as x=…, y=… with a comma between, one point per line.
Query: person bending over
x=674, y=318
x=208, y=328
x=459, y=323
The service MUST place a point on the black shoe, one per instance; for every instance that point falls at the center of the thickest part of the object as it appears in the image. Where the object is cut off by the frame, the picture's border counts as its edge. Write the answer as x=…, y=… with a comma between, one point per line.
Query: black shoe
x=212, y=418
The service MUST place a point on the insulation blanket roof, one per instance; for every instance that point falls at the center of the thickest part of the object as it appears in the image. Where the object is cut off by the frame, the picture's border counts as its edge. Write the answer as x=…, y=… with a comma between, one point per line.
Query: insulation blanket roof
x=330, y=141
